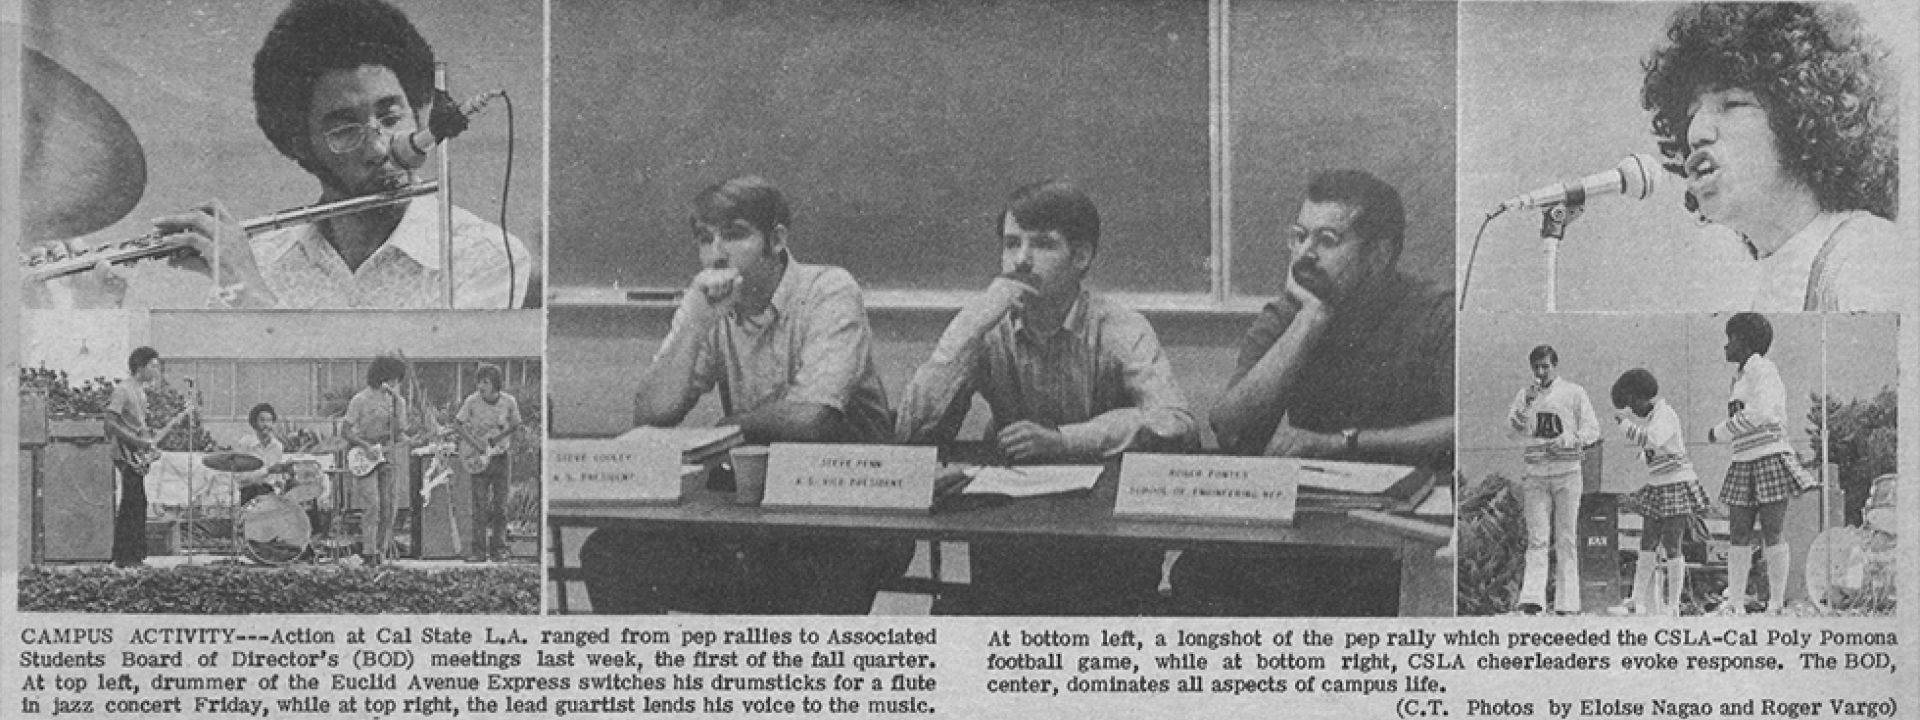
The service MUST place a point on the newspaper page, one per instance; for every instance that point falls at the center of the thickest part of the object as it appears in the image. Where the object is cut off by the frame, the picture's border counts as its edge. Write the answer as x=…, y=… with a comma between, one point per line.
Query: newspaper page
x=1613, y=299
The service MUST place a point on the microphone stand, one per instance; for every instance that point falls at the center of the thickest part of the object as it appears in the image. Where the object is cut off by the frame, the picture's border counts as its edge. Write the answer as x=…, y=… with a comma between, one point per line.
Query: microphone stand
x=1554, y=220
x=446, y=197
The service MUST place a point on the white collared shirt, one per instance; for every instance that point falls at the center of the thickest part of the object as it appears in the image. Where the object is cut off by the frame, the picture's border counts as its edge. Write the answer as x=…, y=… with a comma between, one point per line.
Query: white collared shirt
x=305, y=272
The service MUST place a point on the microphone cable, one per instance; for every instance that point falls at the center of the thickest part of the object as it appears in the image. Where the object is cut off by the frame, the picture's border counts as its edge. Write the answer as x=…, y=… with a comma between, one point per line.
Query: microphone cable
x=506, y=184
x=1473, y=252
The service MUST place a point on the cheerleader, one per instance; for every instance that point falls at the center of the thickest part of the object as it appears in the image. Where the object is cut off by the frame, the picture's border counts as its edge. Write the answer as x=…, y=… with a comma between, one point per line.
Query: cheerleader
x=1765, y=473
x=1668, y=501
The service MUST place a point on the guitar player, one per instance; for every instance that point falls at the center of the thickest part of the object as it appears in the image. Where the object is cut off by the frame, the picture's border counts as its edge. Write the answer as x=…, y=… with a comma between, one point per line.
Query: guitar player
x=489, y=418
x=126, y=420
x=375, y=422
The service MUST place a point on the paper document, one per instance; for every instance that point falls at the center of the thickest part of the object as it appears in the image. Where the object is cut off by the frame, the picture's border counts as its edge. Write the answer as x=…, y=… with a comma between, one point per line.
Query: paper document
x=1350, y=477
x=1437, y=504
x=1032, y=480
x=696, y=444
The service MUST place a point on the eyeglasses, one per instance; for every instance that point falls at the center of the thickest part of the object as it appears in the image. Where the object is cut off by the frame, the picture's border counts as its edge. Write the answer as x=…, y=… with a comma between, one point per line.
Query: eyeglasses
x=348, y=138
x=1324, y=237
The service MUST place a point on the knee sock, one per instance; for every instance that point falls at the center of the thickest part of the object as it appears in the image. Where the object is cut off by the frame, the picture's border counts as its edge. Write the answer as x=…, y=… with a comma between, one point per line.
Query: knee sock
x=1739, y=563
x=1676, y=582
x=1779, y=560
x=1641, y=596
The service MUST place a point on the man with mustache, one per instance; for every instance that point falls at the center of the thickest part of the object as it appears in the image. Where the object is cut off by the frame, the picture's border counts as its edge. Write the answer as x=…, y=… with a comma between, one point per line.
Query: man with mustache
x=1353, y=362
x=1070, y=377
x=335, y=85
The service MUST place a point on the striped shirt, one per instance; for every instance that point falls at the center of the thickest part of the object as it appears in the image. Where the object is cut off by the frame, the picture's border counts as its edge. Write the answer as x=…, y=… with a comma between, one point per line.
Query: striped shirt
x=1560, y=410
x=812, y=344
x=1756, y=412
x=1662, y=444
x=1101, y=379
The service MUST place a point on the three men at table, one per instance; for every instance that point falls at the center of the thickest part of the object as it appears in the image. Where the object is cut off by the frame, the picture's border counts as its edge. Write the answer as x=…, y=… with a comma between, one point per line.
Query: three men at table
x=1070, y=377
x=788, y=346
x=1354, y=362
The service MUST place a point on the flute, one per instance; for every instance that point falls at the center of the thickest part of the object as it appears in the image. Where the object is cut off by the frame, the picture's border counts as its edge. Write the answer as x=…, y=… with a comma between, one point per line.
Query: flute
x=155, y=245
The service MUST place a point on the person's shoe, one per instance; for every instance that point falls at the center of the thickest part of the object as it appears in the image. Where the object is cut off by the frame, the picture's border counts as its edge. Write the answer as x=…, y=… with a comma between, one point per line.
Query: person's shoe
x=1626, y=609
x=1566, y=613
x=1729, y=609
x=1527, y=610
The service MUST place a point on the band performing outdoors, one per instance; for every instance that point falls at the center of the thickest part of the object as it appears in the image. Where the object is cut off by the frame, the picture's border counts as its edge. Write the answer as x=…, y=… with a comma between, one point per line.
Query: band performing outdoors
x=346, y=90
x=273, y=459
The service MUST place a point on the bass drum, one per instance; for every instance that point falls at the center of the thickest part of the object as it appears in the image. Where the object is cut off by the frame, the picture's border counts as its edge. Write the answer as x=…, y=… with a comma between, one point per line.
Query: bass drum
x=273, y=531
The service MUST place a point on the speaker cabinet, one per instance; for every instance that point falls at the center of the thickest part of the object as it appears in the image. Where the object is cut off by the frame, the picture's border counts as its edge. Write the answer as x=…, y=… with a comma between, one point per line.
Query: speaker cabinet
x=74, y=493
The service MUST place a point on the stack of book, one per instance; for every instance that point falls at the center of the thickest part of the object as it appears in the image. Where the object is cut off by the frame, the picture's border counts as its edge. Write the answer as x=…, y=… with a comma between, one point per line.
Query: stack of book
x=1329, y=486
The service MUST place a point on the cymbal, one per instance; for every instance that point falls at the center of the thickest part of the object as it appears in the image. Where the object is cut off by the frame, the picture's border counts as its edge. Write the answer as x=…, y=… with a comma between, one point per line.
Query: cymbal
x=83, y=168
x=330, y=445
x=232, y=462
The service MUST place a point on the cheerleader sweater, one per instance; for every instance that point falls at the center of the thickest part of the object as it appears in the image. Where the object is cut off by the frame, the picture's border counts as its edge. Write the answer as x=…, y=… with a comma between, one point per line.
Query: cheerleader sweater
x=1572, y=414
x=1662, y=444
x=1756, y=412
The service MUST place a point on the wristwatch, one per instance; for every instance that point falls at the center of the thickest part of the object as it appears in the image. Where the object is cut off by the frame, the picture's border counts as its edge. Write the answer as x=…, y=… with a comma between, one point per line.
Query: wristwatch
x=1352, y=436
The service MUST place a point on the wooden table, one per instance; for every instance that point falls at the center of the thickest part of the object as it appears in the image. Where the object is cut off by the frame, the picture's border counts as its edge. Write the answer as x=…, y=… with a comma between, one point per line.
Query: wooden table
x=1426, y=578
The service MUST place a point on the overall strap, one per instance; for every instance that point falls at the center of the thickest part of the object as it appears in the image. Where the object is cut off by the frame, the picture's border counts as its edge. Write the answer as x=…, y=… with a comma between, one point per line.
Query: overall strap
x=1822, y=292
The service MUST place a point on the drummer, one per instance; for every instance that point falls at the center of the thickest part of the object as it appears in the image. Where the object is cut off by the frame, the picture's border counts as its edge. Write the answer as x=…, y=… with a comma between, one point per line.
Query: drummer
x=263, y=444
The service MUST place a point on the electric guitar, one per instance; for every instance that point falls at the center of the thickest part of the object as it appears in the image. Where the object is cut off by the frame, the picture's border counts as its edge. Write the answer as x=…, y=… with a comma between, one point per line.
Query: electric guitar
x=145, y=458
x=475, y=454
x=362, y=461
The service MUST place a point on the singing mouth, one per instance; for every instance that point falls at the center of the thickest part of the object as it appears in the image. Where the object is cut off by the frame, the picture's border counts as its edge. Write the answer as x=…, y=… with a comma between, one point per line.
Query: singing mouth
x=1701, y=166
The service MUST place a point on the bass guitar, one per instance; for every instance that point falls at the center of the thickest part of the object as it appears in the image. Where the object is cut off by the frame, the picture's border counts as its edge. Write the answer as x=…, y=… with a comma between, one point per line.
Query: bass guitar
x=476, y=454
x=145, y=458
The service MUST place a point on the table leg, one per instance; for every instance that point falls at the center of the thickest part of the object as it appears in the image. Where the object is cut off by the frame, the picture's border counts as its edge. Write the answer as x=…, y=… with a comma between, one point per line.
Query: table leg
x=1426, y=581
x=558, y=570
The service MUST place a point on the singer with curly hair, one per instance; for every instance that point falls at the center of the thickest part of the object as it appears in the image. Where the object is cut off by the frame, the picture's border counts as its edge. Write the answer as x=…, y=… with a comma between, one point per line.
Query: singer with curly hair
x=1783, y=119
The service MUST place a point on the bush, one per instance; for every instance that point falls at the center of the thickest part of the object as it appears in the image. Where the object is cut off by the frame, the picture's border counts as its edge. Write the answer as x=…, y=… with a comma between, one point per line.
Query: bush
x=240, y=590
x=1863, y=443
x=1493, y=547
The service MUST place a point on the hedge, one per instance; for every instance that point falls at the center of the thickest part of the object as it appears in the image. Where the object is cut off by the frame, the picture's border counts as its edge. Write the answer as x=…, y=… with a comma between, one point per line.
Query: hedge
x=240, y=590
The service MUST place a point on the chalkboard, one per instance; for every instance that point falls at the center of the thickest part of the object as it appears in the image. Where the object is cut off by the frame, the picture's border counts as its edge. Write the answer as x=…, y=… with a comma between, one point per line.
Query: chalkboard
x=896, y=129
x=1320, y=86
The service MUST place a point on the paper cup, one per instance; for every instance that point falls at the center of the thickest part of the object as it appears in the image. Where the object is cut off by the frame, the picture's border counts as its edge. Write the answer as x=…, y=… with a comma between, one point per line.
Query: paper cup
x=749, y=474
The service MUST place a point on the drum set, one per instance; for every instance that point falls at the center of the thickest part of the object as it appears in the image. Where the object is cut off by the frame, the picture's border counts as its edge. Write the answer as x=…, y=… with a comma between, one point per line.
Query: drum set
x=293, y=512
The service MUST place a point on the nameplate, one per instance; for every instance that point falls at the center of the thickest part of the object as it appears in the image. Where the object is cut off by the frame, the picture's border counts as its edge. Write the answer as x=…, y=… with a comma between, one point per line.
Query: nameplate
x=1207, y=487
x=890, y=478
x=629, y=469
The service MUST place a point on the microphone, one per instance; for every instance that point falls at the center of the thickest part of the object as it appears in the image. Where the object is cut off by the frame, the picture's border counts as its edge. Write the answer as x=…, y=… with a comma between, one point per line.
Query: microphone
x=445, y=123
x=1635, y=177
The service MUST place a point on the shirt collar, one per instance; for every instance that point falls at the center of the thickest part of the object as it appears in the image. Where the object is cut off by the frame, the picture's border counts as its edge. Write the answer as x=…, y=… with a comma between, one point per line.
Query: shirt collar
x=783, y=297
x=1075, y=322
x=417, y=236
